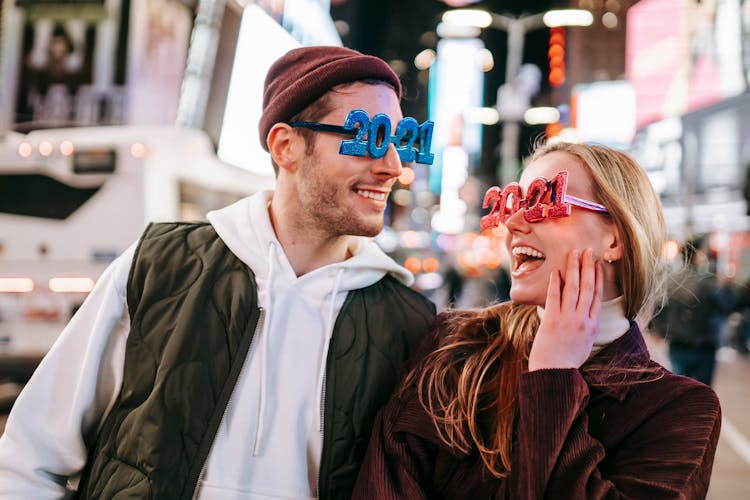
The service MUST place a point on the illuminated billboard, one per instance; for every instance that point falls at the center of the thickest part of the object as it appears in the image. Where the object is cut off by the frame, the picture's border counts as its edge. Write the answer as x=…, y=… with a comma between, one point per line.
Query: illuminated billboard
x=683, y=55
x=264, y=36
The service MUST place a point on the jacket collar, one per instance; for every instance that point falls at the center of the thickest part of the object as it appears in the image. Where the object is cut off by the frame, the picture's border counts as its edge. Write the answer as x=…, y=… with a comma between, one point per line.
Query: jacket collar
x=614, y=369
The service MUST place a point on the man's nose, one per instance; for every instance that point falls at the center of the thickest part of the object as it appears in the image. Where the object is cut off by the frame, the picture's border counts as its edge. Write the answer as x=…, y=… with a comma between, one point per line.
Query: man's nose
x=390, y=164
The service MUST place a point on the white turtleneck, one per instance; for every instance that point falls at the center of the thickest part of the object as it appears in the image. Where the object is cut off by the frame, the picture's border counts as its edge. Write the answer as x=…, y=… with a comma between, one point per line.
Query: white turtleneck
x=612, y=323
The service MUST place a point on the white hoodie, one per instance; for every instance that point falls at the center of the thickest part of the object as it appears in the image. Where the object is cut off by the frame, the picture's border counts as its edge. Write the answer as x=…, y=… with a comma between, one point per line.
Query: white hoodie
x=269, y=442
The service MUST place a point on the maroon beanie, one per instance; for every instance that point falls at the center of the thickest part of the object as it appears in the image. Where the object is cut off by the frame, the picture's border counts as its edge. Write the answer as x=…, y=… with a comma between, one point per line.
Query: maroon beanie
x=303, y=75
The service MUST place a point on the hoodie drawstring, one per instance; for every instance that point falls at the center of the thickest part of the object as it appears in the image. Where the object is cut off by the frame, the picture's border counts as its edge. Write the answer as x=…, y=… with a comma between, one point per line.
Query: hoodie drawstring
x=263, y=351
x=328, y=333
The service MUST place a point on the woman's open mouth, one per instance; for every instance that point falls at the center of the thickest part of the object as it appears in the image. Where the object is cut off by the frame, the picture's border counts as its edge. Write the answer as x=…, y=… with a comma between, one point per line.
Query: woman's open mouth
x=526, y=259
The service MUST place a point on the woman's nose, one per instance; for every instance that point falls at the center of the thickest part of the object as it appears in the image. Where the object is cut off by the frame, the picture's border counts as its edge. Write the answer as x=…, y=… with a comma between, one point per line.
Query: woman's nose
x=517, y=222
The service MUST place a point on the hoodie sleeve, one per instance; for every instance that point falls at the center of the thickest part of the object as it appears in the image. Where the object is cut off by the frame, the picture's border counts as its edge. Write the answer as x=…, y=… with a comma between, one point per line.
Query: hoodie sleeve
x=66, y=399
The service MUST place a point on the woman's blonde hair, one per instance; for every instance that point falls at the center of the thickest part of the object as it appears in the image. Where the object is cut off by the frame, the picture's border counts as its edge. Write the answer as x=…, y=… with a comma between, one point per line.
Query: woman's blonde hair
x=469, y=383
x=623, y=187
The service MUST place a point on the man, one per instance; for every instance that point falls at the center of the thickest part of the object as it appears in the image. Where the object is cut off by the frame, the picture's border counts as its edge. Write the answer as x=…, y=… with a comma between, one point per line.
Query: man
x=692, y=319
x=245, y=357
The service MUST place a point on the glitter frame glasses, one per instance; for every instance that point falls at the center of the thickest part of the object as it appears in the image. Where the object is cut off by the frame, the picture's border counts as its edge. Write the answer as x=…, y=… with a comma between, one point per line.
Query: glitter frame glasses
x=544, y=199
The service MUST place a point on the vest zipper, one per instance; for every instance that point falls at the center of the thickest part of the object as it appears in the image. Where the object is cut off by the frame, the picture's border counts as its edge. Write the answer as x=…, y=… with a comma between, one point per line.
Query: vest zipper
x=331, y=366
x=258, y=328
x=322, y=434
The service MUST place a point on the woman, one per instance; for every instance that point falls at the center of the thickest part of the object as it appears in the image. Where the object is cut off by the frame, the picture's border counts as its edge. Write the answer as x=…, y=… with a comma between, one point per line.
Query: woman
x=553, y=394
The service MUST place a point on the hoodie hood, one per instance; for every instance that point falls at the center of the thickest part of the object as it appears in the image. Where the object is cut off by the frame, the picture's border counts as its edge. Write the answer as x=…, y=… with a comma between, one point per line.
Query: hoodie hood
x=245, y=227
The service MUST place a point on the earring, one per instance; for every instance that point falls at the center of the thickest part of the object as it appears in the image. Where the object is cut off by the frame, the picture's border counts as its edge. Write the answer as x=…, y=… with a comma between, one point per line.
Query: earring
x=609, y=261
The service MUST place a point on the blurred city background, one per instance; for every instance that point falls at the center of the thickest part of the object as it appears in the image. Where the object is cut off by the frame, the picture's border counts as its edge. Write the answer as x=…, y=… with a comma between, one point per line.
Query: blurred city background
x=114, y=113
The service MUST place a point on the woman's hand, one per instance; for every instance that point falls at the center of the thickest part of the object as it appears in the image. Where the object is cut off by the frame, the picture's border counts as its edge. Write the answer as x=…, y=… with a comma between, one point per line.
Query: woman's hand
x=571, y=314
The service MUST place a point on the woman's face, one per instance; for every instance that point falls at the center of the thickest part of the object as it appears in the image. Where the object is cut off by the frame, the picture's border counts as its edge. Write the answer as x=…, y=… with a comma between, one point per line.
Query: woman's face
x=538, y=249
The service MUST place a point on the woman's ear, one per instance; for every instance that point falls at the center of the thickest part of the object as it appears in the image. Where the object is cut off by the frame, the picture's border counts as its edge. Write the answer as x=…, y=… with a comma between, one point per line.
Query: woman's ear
x=285, y=146
x=612, y=244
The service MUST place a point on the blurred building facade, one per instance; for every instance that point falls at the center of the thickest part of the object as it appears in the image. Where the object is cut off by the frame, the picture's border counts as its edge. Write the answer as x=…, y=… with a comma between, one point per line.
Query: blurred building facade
x=673, y=93
x=666, y=80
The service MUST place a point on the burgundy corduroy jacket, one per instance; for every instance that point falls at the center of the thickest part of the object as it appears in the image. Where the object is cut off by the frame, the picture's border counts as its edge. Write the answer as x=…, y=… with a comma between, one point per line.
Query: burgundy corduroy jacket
x=648, y=439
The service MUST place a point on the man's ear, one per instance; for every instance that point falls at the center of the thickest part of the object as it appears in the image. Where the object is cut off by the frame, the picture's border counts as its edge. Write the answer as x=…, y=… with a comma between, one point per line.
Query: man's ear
x=285, y=146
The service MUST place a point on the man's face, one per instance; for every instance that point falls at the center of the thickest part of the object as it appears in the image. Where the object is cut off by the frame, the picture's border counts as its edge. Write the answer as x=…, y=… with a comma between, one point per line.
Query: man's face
x=346, y=195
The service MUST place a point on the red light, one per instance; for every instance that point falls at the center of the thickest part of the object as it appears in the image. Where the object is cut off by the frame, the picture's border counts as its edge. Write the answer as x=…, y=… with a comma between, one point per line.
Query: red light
x=556, y=77
x=556, y=54
x=553, y=129
x=556, y=63
x=413, y=264
x=430, y=265
x=556, y=37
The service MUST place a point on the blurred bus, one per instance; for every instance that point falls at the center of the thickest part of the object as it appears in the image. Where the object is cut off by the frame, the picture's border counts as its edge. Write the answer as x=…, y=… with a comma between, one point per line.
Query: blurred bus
x=71, y=200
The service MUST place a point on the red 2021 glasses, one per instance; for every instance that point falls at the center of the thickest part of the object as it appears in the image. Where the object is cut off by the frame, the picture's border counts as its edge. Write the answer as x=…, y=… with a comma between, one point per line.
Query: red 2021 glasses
x=544, y=198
